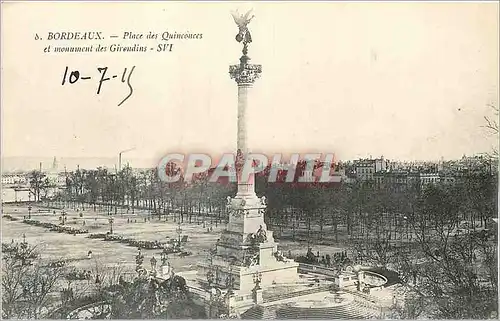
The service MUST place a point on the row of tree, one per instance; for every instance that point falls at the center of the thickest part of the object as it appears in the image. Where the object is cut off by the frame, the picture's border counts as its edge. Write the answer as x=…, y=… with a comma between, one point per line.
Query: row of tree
x=445, y=252
x=296, y=210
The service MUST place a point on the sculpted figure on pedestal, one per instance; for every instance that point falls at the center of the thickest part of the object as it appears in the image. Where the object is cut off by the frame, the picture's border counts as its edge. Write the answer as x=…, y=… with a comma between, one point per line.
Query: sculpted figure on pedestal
x=242, y=21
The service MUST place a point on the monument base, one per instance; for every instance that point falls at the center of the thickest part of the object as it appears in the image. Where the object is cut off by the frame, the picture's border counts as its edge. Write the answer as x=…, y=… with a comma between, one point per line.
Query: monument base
x=244, y=277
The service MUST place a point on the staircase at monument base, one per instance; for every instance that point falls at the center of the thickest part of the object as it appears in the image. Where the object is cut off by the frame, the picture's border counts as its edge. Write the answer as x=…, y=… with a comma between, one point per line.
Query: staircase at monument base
x=355, y=310
x=284, y=296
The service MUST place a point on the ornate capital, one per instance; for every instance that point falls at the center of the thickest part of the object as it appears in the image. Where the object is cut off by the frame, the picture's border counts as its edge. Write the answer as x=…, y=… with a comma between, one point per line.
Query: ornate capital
x=245, y=74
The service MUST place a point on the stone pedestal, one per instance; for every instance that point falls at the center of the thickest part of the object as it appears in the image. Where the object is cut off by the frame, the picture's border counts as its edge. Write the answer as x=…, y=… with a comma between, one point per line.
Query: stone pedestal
x=165, y=271
x=258, y=296
x=247, y=248
x=361, y=277
x=345, y=279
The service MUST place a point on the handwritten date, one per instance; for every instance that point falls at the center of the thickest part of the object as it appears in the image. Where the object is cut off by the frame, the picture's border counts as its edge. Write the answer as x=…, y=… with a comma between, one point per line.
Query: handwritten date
x=74, y=76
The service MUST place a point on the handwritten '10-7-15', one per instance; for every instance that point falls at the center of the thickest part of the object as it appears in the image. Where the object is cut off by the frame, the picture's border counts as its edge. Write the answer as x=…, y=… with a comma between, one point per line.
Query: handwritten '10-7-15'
x=74, y=76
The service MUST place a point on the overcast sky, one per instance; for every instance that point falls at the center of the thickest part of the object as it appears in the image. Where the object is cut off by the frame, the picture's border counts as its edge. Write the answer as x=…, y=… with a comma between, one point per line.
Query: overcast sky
x=403, y=80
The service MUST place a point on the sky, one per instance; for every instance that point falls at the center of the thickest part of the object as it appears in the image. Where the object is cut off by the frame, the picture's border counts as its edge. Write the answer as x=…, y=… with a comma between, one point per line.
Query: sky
x=404, y=80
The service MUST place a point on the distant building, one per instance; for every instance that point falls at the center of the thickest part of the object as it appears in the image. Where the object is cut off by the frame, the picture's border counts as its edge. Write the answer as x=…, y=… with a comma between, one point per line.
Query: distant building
x=427, y=178
x=400, y=180
x=57, y=179
x=470, y=164
x=365, y=169
x=14, y=179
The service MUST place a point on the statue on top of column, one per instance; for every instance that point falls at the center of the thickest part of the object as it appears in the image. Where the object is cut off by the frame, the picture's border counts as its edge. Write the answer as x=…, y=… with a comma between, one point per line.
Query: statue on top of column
x=244, y=73
x=242, y=21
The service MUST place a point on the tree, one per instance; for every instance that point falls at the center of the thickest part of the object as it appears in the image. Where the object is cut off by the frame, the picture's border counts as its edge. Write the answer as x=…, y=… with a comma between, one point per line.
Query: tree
x=30, y=286
x=27, y=282
x=453, y=274
x=411, y=307
x=492, y=125
x=92, y=187
x=38, y=183
x=148, y=298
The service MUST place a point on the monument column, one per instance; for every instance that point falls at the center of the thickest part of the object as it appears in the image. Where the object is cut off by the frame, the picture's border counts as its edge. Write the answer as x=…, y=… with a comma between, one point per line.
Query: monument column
x=246, y=246
x=245, y=75
x=242, y=108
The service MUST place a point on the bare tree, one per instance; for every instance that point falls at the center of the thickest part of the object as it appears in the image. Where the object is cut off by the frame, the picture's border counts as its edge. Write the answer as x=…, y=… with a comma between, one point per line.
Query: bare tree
x=492, y=125
x=453, y=274
x=411, y=307
x=28, y=284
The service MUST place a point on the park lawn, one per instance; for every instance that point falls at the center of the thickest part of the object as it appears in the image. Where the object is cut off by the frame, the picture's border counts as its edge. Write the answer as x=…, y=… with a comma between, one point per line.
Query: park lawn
x=55, y=245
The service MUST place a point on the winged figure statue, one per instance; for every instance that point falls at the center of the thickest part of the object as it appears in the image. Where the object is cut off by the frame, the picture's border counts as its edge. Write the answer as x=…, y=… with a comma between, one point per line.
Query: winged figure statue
x=242, y=21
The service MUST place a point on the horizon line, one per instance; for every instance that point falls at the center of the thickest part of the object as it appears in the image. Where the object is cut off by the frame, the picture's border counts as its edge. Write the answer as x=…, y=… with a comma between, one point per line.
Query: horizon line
x=368, y=156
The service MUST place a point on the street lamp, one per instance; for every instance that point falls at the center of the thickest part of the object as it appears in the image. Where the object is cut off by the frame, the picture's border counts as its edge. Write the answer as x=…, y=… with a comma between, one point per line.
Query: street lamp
x=215, y=297
x=139, y=258
x=210, y=278
x=230, y=282
x=257, y=279
x=217, y=275
x=29, y=212
x=164, y=256
x=153, y=264
x=211, y=254
x=111, y=220
x=209, y=211
x=179, y=232
x=63, y=215
x=230, y=292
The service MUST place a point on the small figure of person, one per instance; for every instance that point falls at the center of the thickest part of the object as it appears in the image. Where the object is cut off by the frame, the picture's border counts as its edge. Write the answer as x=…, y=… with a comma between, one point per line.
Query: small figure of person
x=89, y=255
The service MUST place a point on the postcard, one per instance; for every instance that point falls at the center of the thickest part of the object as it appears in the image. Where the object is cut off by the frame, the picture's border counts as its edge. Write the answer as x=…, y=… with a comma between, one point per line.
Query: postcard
x=253, y=160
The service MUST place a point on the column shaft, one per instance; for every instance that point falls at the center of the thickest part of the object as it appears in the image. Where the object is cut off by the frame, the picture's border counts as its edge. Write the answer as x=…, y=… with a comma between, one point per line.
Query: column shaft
x=245, y=187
